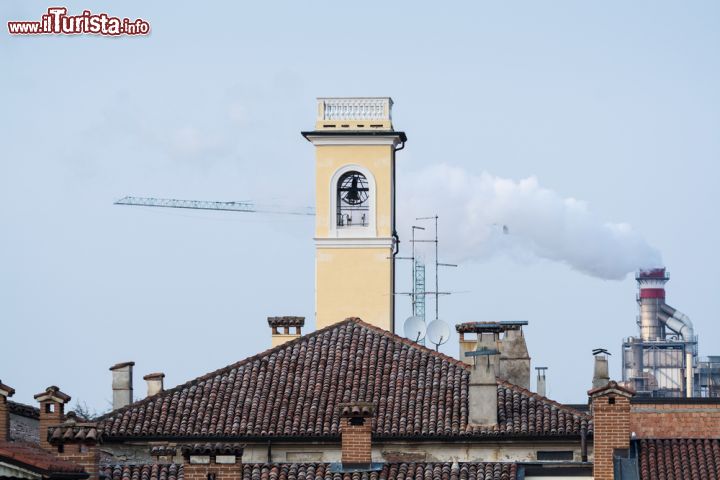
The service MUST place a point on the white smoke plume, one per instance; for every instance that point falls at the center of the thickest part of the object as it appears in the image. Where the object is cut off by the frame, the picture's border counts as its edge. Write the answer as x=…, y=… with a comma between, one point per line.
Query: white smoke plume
x=484, y=215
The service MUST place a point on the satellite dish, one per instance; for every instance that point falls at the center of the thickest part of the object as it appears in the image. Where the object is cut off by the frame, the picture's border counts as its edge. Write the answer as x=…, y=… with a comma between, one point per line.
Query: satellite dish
x=438, y=332
x=415, y=328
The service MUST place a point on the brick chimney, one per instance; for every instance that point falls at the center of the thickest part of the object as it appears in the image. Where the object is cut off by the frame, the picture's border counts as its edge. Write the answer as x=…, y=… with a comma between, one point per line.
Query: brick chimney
x=5, y=392
x=154, y=383
x=77, y=441
x=611, y=426
x=52, y=412
x=356, y=433
x=122, y=384
x=212, y=461
x=281, y=329
x=482, y=389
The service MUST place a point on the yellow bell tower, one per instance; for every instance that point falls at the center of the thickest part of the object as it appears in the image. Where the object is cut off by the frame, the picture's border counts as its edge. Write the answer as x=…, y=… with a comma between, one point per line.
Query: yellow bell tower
x=355, y=238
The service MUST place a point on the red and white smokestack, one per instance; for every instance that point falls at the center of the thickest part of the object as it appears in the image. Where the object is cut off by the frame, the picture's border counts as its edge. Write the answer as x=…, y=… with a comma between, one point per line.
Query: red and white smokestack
x=651, y=283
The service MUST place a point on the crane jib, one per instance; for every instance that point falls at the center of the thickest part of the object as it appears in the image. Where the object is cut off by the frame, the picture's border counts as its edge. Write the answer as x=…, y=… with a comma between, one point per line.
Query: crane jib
x=248, y=207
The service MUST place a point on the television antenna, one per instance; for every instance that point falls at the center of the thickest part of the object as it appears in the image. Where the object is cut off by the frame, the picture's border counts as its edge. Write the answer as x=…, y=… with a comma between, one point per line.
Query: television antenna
x=438, y=264
x=438, y=332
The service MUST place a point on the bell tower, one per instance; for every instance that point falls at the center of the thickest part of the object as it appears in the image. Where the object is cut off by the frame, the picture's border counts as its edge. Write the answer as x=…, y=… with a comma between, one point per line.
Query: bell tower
x=355, y=239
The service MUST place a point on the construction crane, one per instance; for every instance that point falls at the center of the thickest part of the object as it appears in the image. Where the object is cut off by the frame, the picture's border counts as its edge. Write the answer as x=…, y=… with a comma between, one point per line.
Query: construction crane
x=244, y=206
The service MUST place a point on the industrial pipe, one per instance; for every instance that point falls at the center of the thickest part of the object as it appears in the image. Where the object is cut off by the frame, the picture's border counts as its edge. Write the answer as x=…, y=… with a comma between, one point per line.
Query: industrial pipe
x=680, y=323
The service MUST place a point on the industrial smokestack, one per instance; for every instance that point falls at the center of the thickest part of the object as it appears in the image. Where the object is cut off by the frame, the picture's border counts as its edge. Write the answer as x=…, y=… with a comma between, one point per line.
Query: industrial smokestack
x=651, y=298
x=122, y=384
x=601, y=375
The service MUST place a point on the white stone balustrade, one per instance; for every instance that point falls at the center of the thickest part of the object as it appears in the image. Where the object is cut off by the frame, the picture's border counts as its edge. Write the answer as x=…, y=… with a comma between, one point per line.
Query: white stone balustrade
x=355, y=109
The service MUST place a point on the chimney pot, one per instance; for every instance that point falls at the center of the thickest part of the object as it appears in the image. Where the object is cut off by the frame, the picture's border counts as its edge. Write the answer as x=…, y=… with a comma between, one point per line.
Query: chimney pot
x=154, y=383
x=541, y=386
x=122, y=384
x=601, y=375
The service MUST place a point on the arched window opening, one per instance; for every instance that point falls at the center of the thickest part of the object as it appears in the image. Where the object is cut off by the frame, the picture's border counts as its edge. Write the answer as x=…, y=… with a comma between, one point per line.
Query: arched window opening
x=353, y=200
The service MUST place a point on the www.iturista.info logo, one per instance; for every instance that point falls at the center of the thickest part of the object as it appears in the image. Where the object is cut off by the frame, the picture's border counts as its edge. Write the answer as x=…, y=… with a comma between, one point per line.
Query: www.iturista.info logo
x=58, y=22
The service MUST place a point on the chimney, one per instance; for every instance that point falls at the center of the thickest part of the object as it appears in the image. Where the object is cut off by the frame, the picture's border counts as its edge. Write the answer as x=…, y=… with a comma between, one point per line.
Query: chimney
x=610, y=405
x=466, y=344
x=541, y=389
x=5, y=392
x=77, y=441
x=52, y=411
x=122, y=377
x=211, y=461
x=487, y=336
x=482, y=391
x=154, y=383
x=601, y=377
x=281, y=327
x=513, y=363
x=514, y=356
x=356, y=433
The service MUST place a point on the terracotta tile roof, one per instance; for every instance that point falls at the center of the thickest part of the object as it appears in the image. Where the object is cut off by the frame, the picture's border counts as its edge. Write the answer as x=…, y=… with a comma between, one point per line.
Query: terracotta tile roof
x=72, y=430
x=295, y=389
x=32, y=457
x=163, y=451
x=286, y=321
x=679, y=459
x=80, y=432
x=156, y=471
x=23, y=410
x=389, y=471
x=213, y=449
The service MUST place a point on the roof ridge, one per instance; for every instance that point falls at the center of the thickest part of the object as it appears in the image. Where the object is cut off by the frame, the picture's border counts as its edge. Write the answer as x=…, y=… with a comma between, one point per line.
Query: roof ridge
x=408, y=342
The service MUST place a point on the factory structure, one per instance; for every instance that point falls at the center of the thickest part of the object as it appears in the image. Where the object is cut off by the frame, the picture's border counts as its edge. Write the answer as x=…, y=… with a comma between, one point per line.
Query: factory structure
x=663, y=360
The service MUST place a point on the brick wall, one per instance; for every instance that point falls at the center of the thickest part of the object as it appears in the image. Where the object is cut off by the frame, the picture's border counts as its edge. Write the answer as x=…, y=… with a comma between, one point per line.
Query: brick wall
x=611, y=417
x=87, y=456
x=356, y=441
x=675, y=420
x=192, y=471
x=4, y=419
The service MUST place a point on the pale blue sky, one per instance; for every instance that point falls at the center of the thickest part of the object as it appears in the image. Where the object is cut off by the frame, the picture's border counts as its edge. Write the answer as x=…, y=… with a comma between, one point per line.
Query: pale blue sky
x=613, y=103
